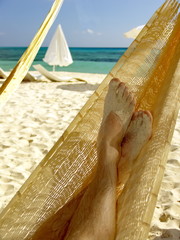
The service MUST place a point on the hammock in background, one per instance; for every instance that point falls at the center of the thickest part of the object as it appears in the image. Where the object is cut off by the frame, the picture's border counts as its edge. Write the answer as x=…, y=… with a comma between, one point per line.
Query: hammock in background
x=21, y=69
x=150, y=69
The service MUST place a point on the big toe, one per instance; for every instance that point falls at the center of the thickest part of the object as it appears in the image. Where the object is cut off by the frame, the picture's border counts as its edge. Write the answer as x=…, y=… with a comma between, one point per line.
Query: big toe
x=114, y=83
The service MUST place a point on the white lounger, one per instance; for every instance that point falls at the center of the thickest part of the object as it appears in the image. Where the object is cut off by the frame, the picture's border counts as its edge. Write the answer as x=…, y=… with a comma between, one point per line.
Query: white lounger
x=53, y=77
x=28, y=77
x=3, y=74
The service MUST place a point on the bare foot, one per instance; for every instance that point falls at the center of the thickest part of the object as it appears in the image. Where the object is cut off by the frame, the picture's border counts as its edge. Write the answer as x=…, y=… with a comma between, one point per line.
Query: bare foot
x=137, y=135
x=110, y=141
x=119, y=101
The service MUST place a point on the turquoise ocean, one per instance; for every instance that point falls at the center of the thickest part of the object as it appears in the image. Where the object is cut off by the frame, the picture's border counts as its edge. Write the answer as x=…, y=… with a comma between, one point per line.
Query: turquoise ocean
x=87, y=60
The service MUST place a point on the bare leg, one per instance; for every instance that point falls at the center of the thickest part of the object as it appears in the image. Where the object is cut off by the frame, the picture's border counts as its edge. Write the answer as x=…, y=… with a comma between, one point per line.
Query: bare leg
x=137, y=135
x=95, y=216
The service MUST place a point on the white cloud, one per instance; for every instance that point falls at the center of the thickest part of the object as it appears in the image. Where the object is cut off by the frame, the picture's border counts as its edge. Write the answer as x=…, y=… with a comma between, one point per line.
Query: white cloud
x=92, y=32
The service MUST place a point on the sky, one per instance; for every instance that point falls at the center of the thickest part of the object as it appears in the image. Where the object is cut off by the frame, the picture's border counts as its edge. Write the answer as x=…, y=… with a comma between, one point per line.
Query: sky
x=85, y=23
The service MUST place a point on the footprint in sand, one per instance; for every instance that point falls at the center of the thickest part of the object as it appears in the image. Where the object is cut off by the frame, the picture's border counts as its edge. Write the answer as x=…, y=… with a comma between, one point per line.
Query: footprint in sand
x=5, y=180
x=17, y=175
x=7, y=189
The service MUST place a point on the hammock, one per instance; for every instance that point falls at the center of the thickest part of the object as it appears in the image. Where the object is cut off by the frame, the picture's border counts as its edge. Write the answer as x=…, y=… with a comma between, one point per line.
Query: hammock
x=150, y=69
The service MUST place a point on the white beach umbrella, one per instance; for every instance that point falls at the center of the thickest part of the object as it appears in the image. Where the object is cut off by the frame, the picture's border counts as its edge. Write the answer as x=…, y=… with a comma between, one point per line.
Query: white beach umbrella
x=58, y=53
x=133, y=33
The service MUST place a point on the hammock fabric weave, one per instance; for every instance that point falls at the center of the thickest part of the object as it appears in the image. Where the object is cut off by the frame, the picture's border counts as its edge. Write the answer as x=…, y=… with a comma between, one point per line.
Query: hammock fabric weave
x=150, y=69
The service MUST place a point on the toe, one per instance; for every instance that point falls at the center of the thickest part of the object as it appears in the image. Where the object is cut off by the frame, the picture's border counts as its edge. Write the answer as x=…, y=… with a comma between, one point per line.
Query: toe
x=121, y=89
x=114, y=83
x=148, y=115
x=126, y=93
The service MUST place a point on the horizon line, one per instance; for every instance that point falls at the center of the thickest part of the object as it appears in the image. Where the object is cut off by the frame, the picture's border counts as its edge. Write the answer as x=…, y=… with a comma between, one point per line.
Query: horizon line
x=47, y=46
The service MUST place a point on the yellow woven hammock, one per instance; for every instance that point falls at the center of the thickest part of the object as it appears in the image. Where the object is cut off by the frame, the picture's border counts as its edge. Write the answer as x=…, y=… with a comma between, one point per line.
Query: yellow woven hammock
x=150, y=69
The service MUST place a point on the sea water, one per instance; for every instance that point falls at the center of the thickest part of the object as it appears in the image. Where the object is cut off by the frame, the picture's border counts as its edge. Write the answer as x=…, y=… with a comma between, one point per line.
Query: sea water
x=87, y=60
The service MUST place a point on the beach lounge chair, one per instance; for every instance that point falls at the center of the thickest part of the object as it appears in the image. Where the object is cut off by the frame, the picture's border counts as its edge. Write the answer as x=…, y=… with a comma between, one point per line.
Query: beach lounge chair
x=54, y=77
x=66, y=170
x=29, y=76
x=3, y=74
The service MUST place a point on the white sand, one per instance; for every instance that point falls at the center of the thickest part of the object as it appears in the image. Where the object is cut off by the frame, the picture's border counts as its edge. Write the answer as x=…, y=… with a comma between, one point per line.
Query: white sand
x=33, y=120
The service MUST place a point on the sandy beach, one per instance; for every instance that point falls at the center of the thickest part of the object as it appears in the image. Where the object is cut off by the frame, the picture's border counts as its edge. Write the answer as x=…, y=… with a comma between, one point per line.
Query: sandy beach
x=36, y=116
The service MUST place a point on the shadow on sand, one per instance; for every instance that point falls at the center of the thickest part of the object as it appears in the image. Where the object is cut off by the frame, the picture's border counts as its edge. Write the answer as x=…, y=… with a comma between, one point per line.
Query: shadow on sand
x=169, y=234
x=79, y=87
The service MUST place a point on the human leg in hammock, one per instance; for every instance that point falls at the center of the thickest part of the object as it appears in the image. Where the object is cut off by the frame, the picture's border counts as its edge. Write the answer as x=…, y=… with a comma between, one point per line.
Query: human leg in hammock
x=96, y=215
